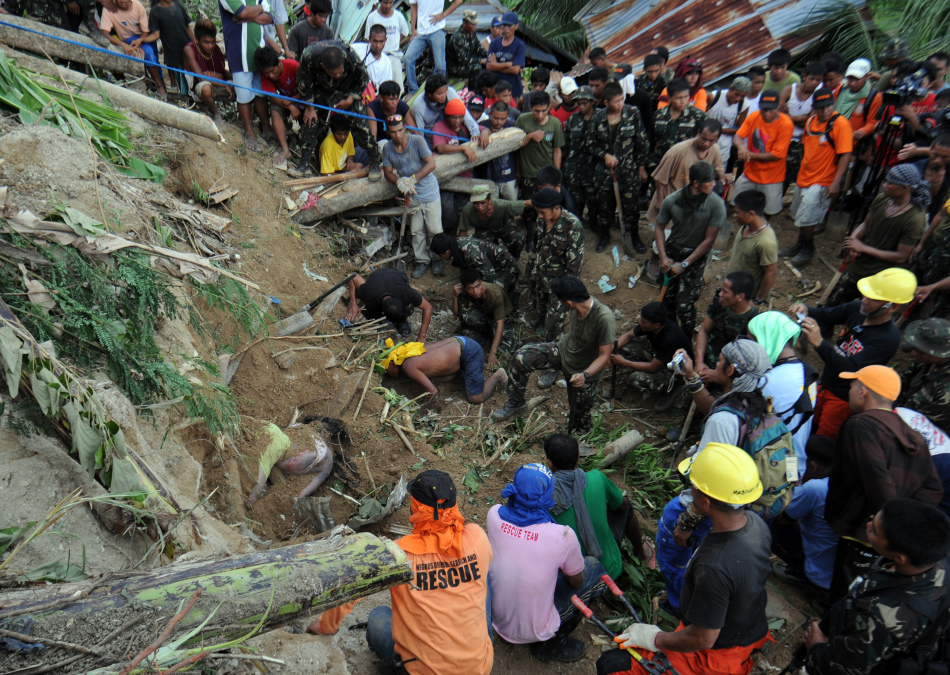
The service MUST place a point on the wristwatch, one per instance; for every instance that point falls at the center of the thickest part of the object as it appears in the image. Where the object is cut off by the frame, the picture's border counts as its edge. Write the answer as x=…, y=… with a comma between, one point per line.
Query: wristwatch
x=684, y=264
x=586, y=375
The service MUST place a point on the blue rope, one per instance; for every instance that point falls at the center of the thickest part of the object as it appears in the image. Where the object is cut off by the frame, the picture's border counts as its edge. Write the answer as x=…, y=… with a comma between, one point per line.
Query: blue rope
x=217, y=81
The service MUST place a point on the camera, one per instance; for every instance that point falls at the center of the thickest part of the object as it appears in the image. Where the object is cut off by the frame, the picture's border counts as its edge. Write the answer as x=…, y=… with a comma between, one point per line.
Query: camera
x=800, y=318
x=906, y=89
x=676, y=365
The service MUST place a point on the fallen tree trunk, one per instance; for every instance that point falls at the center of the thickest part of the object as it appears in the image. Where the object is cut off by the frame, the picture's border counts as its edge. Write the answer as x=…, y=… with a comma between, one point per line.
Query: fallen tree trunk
x=148, y=108
x=468, y=185
x=32, y=42
x=279, y=586
x=361, y=192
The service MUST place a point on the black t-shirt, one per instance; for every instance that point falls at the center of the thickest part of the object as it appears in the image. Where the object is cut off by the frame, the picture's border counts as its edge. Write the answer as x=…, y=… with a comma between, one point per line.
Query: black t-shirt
x=665, y=343
x=383, y=282
x=172, y=26
x=724, y=586
x=382, y=134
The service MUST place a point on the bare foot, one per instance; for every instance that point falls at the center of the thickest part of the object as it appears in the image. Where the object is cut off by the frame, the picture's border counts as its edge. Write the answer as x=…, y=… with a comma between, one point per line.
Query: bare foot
x=314, y=629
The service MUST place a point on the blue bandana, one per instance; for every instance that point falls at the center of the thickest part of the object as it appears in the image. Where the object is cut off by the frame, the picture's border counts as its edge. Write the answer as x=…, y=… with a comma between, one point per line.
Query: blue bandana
x=530, y=496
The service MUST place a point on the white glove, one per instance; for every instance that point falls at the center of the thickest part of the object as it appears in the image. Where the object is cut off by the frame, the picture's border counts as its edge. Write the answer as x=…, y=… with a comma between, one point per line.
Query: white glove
x=406, y=185
x=639, y=635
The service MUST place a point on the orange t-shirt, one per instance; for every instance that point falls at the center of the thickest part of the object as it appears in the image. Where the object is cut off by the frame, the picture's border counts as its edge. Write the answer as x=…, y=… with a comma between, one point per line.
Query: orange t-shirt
x=443, y=624
x=777, y=136
x=818, y=164
x=700, y=100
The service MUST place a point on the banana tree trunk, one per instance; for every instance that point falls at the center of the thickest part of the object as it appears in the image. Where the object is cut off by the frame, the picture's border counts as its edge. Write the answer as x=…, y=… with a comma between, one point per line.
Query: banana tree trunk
x=281, y=584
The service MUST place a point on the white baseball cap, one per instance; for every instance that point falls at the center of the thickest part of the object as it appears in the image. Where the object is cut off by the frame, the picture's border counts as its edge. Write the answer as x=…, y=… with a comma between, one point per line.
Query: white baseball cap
x=858, y=69
x=568, y=85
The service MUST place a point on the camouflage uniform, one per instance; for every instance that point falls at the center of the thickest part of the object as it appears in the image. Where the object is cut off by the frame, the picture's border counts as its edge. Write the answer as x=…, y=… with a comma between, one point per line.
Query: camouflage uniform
x=56, y=13
x=314, y=84
x=578, y=164
x=926, y=387
x=630, y=146
x=482, y=327
x=546, y=356
x=655, y=89
x=463, y=55
x=510, y=236
x=726, y=328
x=667, y=132
x=638, y=350
x=495, y=263
x=560, y=252
x=877, y=624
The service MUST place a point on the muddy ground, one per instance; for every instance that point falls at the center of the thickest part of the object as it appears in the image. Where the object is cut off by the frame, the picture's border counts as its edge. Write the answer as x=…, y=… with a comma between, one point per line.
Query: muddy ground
x=275, y=254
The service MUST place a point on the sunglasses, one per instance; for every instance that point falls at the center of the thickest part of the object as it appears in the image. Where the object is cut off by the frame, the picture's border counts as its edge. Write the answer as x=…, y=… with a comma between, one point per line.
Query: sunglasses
x=394, y=119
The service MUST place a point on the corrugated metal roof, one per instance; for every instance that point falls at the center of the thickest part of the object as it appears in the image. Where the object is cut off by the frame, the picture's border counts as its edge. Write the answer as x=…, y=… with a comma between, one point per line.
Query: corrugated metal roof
x=728, y=36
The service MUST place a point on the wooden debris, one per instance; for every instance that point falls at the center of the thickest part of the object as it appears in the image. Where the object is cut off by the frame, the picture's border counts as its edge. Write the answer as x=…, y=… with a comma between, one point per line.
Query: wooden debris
x=347, y=392
x=304, y=183
x=794, y=269
x=814, y=290
x=222, y=194
x=618, y=449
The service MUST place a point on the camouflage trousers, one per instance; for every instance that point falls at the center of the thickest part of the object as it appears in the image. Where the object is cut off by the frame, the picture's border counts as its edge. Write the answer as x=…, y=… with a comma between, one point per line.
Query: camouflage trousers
x=527, y=187
x=552, y=311
x=607, y=211
x=638, y=350
x=506, y=277
x=312, y=136
x=844, y=291
x=937, y=265
x=510, y=236
x=683, y=294
x=579, y=189
x=546, y=356
x=473, y=321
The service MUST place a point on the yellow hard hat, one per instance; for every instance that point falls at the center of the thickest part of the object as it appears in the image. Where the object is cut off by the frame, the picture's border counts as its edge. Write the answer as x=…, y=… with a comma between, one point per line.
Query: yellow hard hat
x=890, y=285
x=724, y=472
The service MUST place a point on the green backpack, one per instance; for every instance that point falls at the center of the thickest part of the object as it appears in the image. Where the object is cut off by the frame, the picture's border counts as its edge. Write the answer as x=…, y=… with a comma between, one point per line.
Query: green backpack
x=769, y=442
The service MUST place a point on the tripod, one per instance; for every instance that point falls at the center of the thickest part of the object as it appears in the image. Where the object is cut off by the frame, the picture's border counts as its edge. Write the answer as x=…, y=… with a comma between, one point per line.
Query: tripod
x=889, y=129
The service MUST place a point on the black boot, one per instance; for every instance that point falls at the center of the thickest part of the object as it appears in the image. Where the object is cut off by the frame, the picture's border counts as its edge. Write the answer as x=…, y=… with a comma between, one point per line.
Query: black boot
x=303, y=168
x=604, y=242
x=793, y=251
x=806, y=253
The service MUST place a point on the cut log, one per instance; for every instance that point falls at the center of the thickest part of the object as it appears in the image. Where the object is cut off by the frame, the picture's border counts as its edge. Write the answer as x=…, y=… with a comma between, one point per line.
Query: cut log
x=618, y=449
x=467, y=185
x=283, y=584
x=361, y=192
x=143, y=106
x=304, y=183
x=32, y=42
x=380, y=211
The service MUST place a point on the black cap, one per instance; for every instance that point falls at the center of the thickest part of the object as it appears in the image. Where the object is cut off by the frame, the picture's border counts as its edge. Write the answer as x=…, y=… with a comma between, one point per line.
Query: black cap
x=768, y=100
x=432, y=487
x=702, y=172
x=621, y=70
x=547, y=198
x=823, y=98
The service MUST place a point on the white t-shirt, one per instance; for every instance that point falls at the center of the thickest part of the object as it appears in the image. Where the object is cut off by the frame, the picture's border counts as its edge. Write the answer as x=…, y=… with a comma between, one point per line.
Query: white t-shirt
x=797, y=108
x=752, y=104
x=524, y=573
x=425, y=9
x=396, y=27
x=726, y=115
x=784, y=384
x=936, y=439
x=380, y=69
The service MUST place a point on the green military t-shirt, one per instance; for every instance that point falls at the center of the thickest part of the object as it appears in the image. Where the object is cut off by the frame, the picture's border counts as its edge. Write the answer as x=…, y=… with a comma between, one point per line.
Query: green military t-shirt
x=534, y=154
x=601, y=496
x=504, y=212
x=496, y=303
x=886, y=234
x=688, y=232
x=580, y=345
x=750, y=254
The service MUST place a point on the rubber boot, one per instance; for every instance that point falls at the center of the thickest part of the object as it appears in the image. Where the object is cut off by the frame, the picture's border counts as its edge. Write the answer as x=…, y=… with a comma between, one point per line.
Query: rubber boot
x=303, y=168
x=793, y=251
x=805, y=254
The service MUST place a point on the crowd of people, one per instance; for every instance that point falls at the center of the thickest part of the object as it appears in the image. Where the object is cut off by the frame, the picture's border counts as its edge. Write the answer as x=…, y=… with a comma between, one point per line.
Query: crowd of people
x=836, y=478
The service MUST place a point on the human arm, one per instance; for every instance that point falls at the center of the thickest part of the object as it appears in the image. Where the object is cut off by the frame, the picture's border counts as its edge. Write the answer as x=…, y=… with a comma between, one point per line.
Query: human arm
x=371, y=123
x=783, y=97
x=426, y=308
x=923, y=292
x=702, y=344
x=597, y=365
x=492, y=359
x=412, y=371
x=414, y=19
x=556, y=159
x=770, y=272
x=410, y=120
x=436, y=18
x=702, y=398
x=699, y=252
x=844, y=160
x=449, y=149
x=428, y=159
x=928, y=233
x=653, y=366
x=353, y=310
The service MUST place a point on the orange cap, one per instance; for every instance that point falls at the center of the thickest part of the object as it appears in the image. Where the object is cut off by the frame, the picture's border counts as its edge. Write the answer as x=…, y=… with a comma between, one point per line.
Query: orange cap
x=455, y=107
x=882, y=380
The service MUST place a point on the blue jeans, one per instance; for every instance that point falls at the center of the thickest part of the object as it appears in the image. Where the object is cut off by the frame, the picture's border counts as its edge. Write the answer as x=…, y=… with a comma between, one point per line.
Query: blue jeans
x=436, y=42
x=150, y=55
x=592, y=587
x=671, y=558
x=379, y=632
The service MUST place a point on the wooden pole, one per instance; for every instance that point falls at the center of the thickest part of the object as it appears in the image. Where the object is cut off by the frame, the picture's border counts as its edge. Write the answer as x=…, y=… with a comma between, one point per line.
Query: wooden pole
x=359, y=193
x=283, y=584
x=22, y=39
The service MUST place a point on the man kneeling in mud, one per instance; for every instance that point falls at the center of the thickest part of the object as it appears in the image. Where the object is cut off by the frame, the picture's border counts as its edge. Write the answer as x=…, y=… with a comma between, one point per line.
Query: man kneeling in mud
x=440, y=362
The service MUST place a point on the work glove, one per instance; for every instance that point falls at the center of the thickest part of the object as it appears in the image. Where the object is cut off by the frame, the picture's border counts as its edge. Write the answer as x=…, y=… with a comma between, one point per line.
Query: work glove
x=639, y=635
x=406, y=185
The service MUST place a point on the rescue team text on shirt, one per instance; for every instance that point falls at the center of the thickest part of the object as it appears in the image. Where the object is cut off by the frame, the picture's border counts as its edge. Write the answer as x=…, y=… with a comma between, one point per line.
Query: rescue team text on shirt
x=433, y=575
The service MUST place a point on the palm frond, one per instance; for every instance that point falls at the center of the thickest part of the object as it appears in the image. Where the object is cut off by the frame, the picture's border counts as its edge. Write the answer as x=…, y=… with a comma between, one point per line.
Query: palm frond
x=844, y=30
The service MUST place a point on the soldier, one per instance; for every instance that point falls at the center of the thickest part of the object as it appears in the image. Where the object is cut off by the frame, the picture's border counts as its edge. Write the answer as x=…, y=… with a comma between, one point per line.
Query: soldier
x=65, y=14
x=926, y=384
x=581, y=354
x=726, y=319
x=494, y=263
x=493, y=219
x=676, y=122
x=484, y=309
x=886, y=615
x=618, y=144
x=332, y=75
x=695, y=216
x=578, y=163
x=560, y=253
x=464, y=56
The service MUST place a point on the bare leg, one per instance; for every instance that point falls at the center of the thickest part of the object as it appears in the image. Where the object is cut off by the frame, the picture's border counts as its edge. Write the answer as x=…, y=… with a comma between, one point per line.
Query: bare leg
x=207, y=98
x=260, y=107
x=156, y=74
x=498, y=378
x=244, y=110
x=323, y=470
x=280, y=129
x=258, y=489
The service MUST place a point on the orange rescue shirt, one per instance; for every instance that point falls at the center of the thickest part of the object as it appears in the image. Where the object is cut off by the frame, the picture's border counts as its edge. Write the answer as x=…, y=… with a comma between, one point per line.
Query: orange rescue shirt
x=777, y=136
x=443, y=623
x=818, y=164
